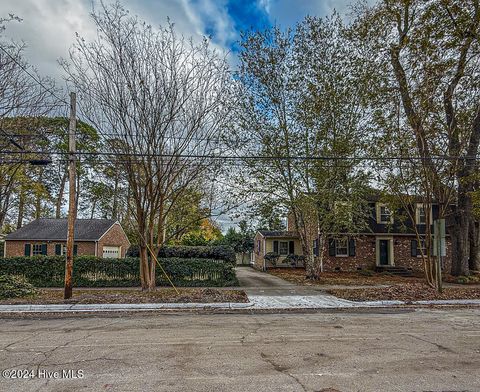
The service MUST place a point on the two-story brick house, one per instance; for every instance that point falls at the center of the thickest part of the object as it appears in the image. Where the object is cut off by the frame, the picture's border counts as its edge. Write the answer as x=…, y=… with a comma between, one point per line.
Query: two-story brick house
x=386, y=242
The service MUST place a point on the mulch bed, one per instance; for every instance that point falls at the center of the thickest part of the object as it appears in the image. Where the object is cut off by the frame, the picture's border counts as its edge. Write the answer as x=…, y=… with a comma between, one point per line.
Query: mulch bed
x=406, y=292
x=297, y=276
x=115, y=296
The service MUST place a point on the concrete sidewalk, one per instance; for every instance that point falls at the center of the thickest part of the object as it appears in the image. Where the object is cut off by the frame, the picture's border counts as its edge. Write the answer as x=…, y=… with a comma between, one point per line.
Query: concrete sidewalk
x=257, y=302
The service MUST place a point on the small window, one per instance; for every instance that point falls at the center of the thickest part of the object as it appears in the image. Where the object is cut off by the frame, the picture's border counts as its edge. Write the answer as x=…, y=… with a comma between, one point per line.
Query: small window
x=421, y=247
x=341, y=247
x=385, y=215
x=283, y=248
x=422, y=218
x=37, y=249
x=421, y=214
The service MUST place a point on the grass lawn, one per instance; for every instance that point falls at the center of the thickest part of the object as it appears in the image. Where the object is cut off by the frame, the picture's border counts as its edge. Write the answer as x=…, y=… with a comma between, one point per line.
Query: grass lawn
x=406, y=292
x=341, y=278
x=117, y=296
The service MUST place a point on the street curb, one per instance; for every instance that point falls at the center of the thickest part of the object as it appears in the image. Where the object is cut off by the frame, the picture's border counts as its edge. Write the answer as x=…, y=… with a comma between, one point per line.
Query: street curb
x=67, y=308
x=56, y=308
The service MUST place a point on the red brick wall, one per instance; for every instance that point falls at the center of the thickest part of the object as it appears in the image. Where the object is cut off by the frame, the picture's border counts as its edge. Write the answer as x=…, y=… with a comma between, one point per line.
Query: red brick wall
x=115, y=236
x=365, y=255
x=17, y=248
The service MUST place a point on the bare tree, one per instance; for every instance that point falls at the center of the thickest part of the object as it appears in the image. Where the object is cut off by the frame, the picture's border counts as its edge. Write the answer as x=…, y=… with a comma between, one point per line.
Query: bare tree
x=23, y=92
x=160, y=102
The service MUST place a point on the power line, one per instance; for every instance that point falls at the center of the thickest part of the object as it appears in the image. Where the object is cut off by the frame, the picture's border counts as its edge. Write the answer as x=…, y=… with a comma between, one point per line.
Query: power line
x=245, y=157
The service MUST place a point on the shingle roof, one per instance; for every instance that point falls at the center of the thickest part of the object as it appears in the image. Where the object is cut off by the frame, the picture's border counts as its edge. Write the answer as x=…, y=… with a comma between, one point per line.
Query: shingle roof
x=284, y=234
x=56, y=229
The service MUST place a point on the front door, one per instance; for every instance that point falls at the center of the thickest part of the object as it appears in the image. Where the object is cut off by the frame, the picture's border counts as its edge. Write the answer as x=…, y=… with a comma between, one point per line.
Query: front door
x=384, y=253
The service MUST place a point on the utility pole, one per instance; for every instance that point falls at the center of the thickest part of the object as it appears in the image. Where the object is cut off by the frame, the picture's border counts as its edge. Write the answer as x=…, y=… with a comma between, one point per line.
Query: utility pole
x=72, y=210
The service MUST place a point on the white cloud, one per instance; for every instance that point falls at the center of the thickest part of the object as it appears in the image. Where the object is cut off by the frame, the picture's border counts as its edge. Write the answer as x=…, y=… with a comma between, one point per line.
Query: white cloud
x=284, y=13
x=49, y=27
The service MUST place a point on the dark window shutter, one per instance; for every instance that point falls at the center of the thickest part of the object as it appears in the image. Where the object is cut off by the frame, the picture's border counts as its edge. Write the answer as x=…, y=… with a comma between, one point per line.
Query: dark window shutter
x=275, y=247
x=331, y=247
x=315, y=248
x=28, y=248
x=58, y=249
x=291, y=247
x=413, y=248
x=75, y=248
x=44, y=249
x=351, y=247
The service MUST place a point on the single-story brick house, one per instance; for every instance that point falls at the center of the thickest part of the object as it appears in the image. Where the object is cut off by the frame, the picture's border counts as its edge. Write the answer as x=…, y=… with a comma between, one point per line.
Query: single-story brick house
x=386, y=243
x=94, y=237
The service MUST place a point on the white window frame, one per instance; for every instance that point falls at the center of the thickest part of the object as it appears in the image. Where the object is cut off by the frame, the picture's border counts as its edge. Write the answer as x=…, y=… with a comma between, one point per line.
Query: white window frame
x=379, y=214
x=63, y=251
x=37, y=252
x=285, y=252
x=341, y=241
x=421, y=207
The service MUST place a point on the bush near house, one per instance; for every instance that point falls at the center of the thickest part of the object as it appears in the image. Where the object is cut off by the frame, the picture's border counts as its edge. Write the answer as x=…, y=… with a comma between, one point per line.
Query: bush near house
x=218, y=252
x=225, y=253
x=89, y=271
x=15, y=287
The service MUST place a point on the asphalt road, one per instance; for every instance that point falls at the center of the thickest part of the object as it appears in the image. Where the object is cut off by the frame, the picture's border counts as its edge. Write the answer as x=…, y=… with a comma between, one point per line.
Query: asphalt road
x=425, y=350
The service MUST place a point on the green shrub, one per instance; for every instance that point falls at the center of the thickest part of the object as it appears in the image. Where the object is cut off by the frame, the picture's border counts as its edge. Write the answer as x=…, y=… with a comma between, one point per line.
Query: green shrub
x=15, y=287
x=225, y=253
x=90, y=271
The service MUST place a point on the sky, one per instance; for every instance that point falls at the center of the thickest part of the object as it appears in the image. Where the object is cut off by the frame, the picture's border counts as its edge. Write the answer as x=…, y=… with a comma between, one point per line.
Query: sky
x=49, y=27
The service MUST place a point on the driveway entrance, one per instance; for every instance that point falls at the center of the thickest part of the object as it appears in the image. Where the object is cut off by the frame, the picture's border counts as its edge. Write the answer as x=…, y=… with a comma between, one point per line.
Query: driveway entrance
x=255, y=282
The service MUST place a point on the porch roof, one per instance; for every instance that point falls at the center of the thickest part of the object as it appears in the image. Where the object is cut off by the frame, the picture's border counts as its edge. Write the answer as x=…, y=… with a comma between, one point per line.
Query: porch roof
x=278, y=234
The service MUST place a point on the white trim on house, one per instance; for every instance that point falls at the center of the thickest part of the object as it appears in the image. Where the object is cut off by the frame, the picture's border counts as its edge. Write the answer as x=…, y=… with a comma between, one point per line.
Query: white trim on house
x=391, y=259
x=378, y=207
x=418, y=207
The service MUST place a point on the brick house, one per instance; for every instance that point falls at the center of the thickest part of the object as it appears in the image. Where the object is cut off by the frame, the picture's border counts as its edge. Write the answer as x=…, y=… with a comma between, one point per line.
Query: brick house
x=387, y=242
x=94, y=237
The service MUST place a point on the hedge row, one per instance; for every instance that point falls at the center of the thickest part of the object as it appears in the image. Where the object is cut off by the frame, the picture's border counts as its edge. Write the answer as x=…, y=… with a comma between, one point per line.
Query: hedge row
x=225, y=253
x=89, y=271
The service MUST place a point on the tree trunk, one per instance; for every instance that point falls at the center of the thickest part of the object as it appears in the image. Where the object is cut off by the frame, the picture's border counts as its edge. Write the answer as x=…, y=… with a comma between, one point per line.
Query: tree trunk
x=474, y=261
x=21, y=208
x=59, y=202
x=144, y=273
x=161, y=225
x=460, y=236
x=115, y=199
x=94, y=205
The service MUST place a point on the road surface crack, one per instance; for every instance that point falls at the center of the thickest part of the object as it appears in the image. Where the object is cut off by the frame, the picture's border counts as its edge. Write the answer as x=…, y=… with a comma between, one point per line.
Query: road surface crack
x=282, y=369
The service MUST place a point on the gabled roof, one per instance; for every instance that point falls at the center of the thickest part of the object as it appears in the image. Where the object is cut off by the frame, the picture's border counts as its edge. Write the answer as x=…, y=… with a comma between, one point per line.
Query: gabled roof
x=45, y=229
x=279, y=234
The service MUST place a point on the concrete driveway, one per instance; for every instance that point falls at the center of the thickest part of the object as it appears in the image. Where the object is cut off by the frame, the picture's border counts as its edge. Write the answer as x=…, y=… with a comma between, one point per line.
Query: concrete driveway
x=255, y=282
